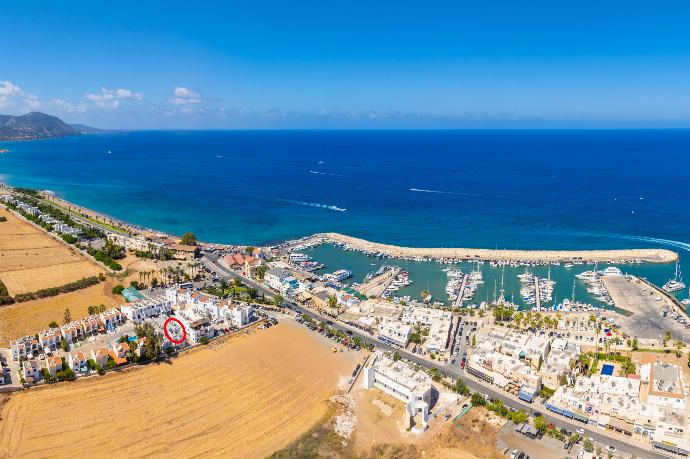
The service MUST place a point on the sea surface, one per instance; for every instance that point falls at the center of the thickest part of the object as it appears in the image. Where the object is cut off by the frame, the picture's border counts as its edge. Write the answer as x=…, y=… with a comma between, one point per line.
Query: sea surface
x=531, y=189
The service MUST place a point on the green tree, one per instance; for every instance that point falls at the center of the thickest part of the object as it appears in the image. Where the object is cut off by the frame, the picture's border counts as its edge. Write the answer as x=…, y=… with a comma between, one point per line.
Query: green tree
x=223, y=286
x=332, y=301
x=415, y=338
x=203, y=340
x=154, y=340
x=539, y=423
x=668, y=336
x=460, y=387
x=634, y=344
x=188, y=238
x=249, y=250
x=53, y=324
x=117, y=290
x=478, y=399
x=67, y=317
x=474, y=340
x=261, y=272
x=278, y=299
x=588, y=445
x=396, y=357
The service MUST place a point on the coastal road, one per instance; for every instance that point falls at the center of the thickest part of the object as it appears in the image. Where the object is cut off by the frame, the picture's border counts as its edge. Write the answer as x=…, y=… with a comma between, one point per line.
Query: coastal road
x=211, y=261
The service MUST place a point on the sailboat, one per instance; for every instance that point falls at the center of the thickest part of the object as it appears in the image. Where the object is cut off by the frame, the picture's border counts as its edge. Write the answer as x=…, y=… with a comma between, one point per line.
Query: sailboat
x=675, y=284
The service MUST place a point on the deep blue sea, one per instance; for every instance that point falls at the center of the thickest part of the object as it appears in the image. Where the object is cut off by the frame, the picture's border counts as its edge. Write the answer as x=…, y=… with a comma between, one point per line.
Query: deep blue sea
x=551, y=189
x=506, y=189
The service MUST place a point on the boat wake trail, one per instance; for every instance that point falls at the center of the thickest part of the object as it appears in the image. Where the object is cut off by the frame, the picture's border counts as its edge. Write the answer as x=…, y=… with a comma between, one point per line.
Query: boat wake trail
x=670, y=242
x=315, y=204
x=326, y=173
x=421, y=190
x=654, y=240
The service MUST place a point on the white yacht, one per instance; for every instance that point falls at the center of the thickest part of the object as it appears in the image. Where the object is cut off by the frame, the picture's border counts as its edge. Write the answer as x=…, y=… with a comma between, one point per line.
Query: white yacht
x=675, y=284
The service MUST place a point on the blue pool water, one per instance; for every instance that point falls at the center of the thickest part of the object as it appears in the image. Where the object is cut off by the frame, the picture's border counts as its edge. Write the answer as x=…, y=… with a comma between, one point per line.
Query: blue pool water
x=607, y=370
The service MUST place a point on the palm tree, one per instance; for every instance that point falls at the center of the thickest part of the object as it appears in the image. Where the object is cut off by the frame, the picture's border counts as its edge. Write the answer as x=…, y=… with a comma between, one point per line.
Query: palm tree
x=223, y=286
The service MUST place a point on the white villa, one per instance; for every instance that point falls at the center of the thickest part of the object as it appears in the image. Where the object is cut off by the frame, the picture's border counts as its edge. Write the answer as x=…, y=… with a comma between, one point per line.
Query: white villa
x=412, y=387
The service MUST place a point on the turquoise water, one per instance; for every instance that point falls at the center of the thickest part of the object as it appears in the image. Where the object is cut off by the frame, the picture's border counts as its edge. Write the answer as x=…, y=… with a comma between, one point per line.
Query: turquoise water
x=427, y=275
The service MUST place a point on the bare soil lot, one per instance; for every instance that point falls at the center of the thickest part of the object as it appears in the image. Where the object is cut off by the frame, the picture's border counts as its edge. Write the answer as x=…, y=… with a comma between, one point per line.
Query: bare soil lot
x=247, y=397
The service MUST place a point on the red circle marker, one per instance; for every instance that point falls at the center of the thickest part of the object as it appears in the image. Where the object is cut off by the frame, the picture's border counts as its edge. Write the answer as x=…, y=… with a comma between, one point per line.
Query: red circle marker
x=167, y=335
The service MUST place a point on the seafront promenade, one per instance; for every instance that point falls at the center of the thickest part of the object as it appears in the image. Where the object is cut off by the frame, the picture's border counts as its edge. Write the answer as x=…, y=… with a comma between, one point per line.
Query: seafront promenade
x=647, y=255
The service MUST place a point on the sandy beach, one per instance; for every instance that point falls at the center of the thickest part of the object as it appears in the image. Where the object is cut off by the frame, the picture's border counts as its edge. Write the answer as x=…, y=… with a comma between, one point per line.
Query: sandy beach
x=246, y=397
x=647, y=255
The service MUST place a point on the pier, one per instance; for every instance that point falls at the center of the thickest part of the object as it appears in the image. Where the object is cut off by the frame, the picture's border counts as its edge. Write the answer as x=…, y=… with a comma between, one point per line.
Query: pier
x=377, y=285
x=603, y=256
x=458, y=300
x=537, y=293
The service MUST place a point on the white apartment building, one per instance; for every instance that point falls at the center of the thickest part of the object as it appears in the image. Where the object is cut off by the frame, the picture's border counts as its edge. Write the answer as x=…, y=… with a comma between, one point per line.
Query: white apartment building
x=196, y=324
x=398, y=379
x=394, y=332
x=139, y=311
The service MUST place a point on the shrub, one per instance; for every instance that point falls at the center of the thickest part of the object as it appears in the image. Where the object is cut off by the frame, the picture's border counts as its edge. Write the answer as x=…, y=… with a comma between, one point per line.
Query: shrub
x=203, y=340
x=117, y=290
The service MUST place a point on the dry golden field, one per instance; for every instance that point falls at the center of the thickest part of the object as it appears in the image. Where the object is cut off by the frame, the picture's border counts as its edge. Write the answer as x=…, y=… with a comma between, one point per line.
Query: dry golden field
x=247, y=397
x=20, y=319
x=31, y=260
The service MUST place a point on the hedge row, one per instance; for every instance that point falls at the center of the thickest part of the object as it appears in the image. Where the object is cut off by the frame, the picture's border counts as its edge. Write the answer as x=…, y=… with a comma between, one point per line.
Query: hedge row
x=53, y=291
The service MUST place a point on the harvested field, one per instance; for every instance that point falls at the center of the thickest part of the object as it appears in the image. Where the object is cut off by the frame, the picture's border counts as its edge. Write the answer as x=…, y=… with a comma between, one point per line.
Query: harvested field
x=247, y=397
x=31, y=317
x=31, y=260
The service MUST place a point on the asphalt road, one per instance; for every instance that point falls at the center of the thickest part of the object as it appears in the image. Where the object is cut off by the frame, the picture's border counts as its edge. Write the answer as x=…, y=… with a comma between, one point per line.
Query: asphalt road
x=451, y=370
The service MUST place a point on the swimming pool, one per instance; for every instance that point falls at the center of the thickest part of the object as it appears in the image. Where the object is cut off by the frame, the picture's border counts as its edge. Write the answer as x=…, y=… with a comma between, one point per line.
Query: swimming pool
x=607, y=370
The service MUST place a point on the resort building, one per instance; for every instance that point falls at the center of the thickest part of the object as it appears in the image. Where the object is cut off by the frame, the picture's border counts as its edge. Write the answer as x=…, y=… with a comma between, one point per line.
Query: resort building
x=282, y=281
x=53, y=364
x=196, y=325
x=19, y=349
x=100, y=356
x=141, y=310
x=664, y=385
x=438, y=321
x=558, y=362
x=50, y=339
x=77, y=361
x=398, y=379
x=652, y=404
x=393, y=332
x=184, y=252
x=31, y=371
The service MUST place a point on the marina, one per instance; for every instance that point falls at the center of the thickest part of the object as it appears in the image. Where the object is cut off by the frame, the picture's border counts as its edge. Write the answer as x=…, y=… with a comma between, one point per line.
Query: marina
x=564, y=286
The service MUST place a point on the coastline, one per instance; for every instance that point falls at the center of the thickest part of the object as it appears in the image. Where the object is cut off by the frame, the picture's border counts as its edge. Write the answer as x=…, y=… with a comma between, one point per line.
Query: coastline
x=649, y=255
x=616, y=255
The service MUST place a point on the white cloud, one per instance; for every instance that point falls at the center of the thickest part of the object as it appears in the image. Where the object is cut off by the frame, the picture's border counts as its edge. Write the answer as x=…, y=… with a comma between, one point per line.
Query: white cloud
x=184, y=96
x=110, y=98
x=9, y=92
x=7, y=88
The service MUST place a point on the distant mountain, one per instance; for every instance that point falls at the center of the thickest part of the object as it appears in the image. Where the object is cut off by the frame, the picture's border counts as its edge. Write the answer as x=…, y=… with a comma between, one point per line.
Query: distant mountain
x=37, y=125
x=84, y=129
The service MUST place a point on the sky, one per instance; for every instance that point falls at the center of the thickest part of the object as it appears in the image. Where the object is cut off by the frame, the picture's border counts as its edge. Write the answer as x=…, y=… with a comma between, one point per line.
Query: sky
x=348, y=64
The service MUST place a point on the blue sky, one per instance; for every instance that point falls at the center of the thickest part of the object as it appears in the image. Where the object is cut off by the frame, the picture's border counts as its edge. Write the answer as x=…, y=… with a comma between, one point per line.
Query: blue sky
x=349, y=64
